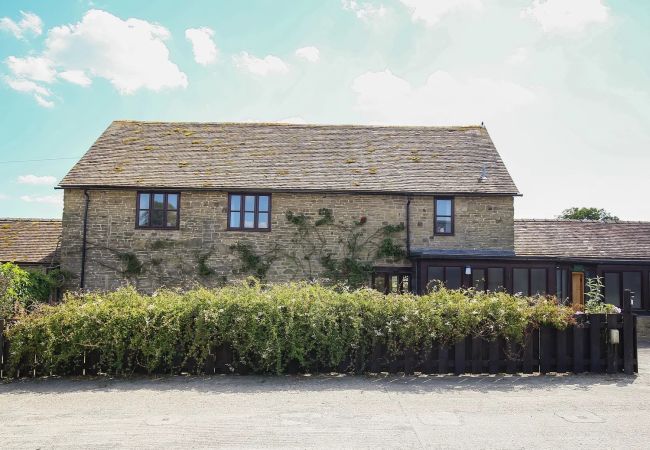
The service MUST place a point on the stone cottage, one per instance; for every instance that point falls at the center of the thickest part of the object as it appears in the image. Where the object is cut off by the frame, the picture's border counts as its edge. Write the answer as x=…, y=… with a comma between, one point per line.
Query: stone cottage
x=176, y=204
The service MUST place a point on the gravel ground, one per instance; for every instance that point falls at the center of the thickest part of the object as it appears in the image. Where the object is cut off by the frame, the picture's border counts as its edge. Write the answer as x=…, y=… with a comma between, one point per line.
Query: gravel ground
x=564, y=411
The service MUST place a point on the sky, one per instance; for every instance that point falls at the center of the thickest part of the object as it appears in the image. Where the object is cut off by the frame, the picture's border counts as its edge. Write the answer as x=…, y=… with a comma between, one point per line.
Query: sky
x=563, y=86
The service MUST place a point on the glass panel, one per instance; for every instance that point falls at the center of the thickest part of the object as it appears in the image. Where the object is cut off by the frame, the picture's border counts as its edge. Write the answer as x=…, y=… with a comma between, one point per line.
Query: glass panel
x=249, y=220
x=249, y=203
x=538, y=281
x=171, y=218
x=520, y=281
x=380, y=282
x=405, y=284
x=263, y=203
x=443, y=208
x=613, y=289
x=235, y=218
x=172, y=201
x=263, y=220
x=453, y=280
x=235, y=202
x=478, y=279
x=632, y=281
x=562, y=285
x=443, y=225
x=394, y=283
x=144, y=201
x=157, y=218
x=143, y=219
x=435, y=275
x=495, y=279
x=158, y=201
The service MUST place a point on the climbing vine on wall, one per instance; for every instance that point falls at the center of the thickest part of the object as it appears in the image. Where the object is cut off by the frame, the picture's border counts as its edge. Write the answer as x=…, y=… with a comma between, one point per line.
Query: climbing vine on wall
x=312, y=254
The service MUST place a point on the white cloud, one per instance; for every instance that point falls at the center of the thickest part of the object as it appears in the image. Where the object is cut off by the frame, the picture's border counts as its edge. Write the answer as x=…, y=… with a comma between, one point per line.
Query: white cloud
x=45, y=103
x=310, y=54
x=260, y=66
x=31, y=67
x=364, y=10
x=295, y=120
x=76, y=77
x=3, y=196
x=131, y=53
x=35, y=179
x=29, y=24
x=431, y=11
x=564, y=16
x=519, y=56
x=203, y=47
x=39, y=92
x=442, y=100
x=48, y=199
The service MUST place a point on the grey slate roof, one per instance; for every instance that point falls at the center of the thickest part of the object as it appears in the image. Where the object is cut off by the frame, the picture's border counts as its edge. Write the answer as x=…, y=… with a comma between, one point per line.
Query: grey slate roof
x=288, y=157
x=583, y=239
x=30, y=241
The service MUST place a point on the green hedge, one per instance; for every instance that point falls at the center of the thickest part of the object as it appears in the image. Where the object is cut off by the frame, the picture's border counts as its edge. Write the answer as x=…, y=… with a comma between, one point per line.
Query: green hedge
x=22, y=290
x=268, y=328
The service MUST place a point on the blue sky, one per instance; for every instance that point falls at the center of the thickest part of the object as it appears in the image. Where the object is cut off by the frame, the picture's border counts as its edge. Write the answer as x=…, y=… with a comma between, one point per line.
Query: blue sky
x=563, y=86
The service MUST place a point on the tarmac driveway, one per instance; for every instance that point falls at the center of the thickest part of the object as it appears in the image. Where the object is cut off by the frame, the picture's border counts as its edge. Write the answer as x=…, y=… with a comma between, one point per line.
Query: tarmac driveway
x=590, y=411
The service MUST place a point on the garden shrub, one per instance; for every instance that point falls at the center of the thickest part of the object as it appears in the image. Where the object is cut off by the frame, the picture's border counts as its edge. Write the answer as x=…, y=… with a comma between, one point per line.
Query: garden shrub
x=23, y=290
x=268, y=328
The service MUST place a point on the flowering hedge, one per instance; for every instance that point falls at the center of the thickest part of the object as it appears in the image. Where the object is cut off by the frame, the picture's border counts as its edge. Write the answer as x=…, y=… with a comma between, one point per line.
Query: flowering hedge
x=267, y=328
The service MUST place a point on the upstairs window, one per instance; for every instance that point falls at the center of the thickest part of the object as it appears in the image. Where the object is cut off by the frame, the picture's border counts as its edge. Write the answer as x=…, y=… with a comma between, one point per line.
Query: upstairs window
x=443, y=211
x=158, y=210
x=249, y=212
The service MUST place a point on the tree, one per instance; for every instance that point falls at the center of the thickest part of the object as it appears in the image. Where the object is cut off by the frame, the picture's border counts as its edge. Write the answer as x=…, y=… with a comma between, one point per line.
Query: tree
x=588, y=214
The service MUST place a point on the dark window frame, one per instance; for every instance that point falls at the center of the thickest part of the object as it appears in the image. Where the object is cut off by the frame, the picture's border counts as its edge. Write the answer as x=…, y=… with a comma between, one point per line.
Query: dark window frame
x=621, y=288
x=529, y=276
x=452, y=216
x=444, y=272
x=242, y=211
x=486, y=280
x=387, y=273
x=165, y=209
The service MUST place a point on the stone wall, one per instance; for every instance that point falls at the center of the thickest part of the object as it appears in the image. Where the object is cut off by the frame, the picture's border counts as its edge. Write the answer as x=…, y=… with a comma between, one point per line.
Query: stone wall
x=170, y=257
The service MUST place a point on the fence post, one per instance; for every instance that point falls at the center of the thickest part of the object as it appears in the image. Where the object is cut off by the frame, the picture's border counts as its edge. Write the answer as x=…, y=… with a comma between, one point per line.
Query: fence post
x=2, y=348
x=628, y=333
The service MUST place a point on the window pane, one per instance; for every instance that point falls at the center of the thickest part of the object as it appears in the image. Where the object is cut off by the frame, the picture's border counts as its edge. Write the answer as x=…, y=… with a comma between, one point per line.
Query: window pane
x=171, y=218
x=249, y=220
x=443, y=225
x=235, y=202
x=158, y=201
x=404, y=287
x=172, y=201
x=157, y=218
x=520, y=281
x=249, y=203
x=380, y=282
x=443, y=207
x=394, y=283
x=478, y=279
x=143, y=219
x=434, y=276
x=453, y=280
x=264, y=203
x=263, y=220
x=495, y=279
x=235, y=218
x=538, y=281
x=613, y=289
x=632, y=281
x=561, y=285
x=144, y=201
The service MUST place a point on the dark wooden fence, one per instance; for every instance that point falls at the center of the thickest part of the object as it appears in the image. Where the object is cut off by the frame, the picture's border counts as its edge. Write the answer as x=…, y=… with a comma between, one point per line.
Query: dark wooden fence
x=597, y=343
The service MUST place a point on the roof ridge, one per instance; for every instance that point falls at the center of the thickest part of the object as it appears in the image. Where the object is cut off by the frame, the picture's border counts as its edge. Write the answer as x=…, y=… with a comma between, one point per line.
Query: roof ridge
x=304, y=125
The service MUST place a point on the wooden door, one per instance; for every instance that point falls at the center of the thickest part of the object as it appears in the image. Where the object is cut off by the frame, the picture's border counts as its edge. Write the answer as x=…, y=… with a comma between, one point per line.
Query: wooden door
x=577, y=288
